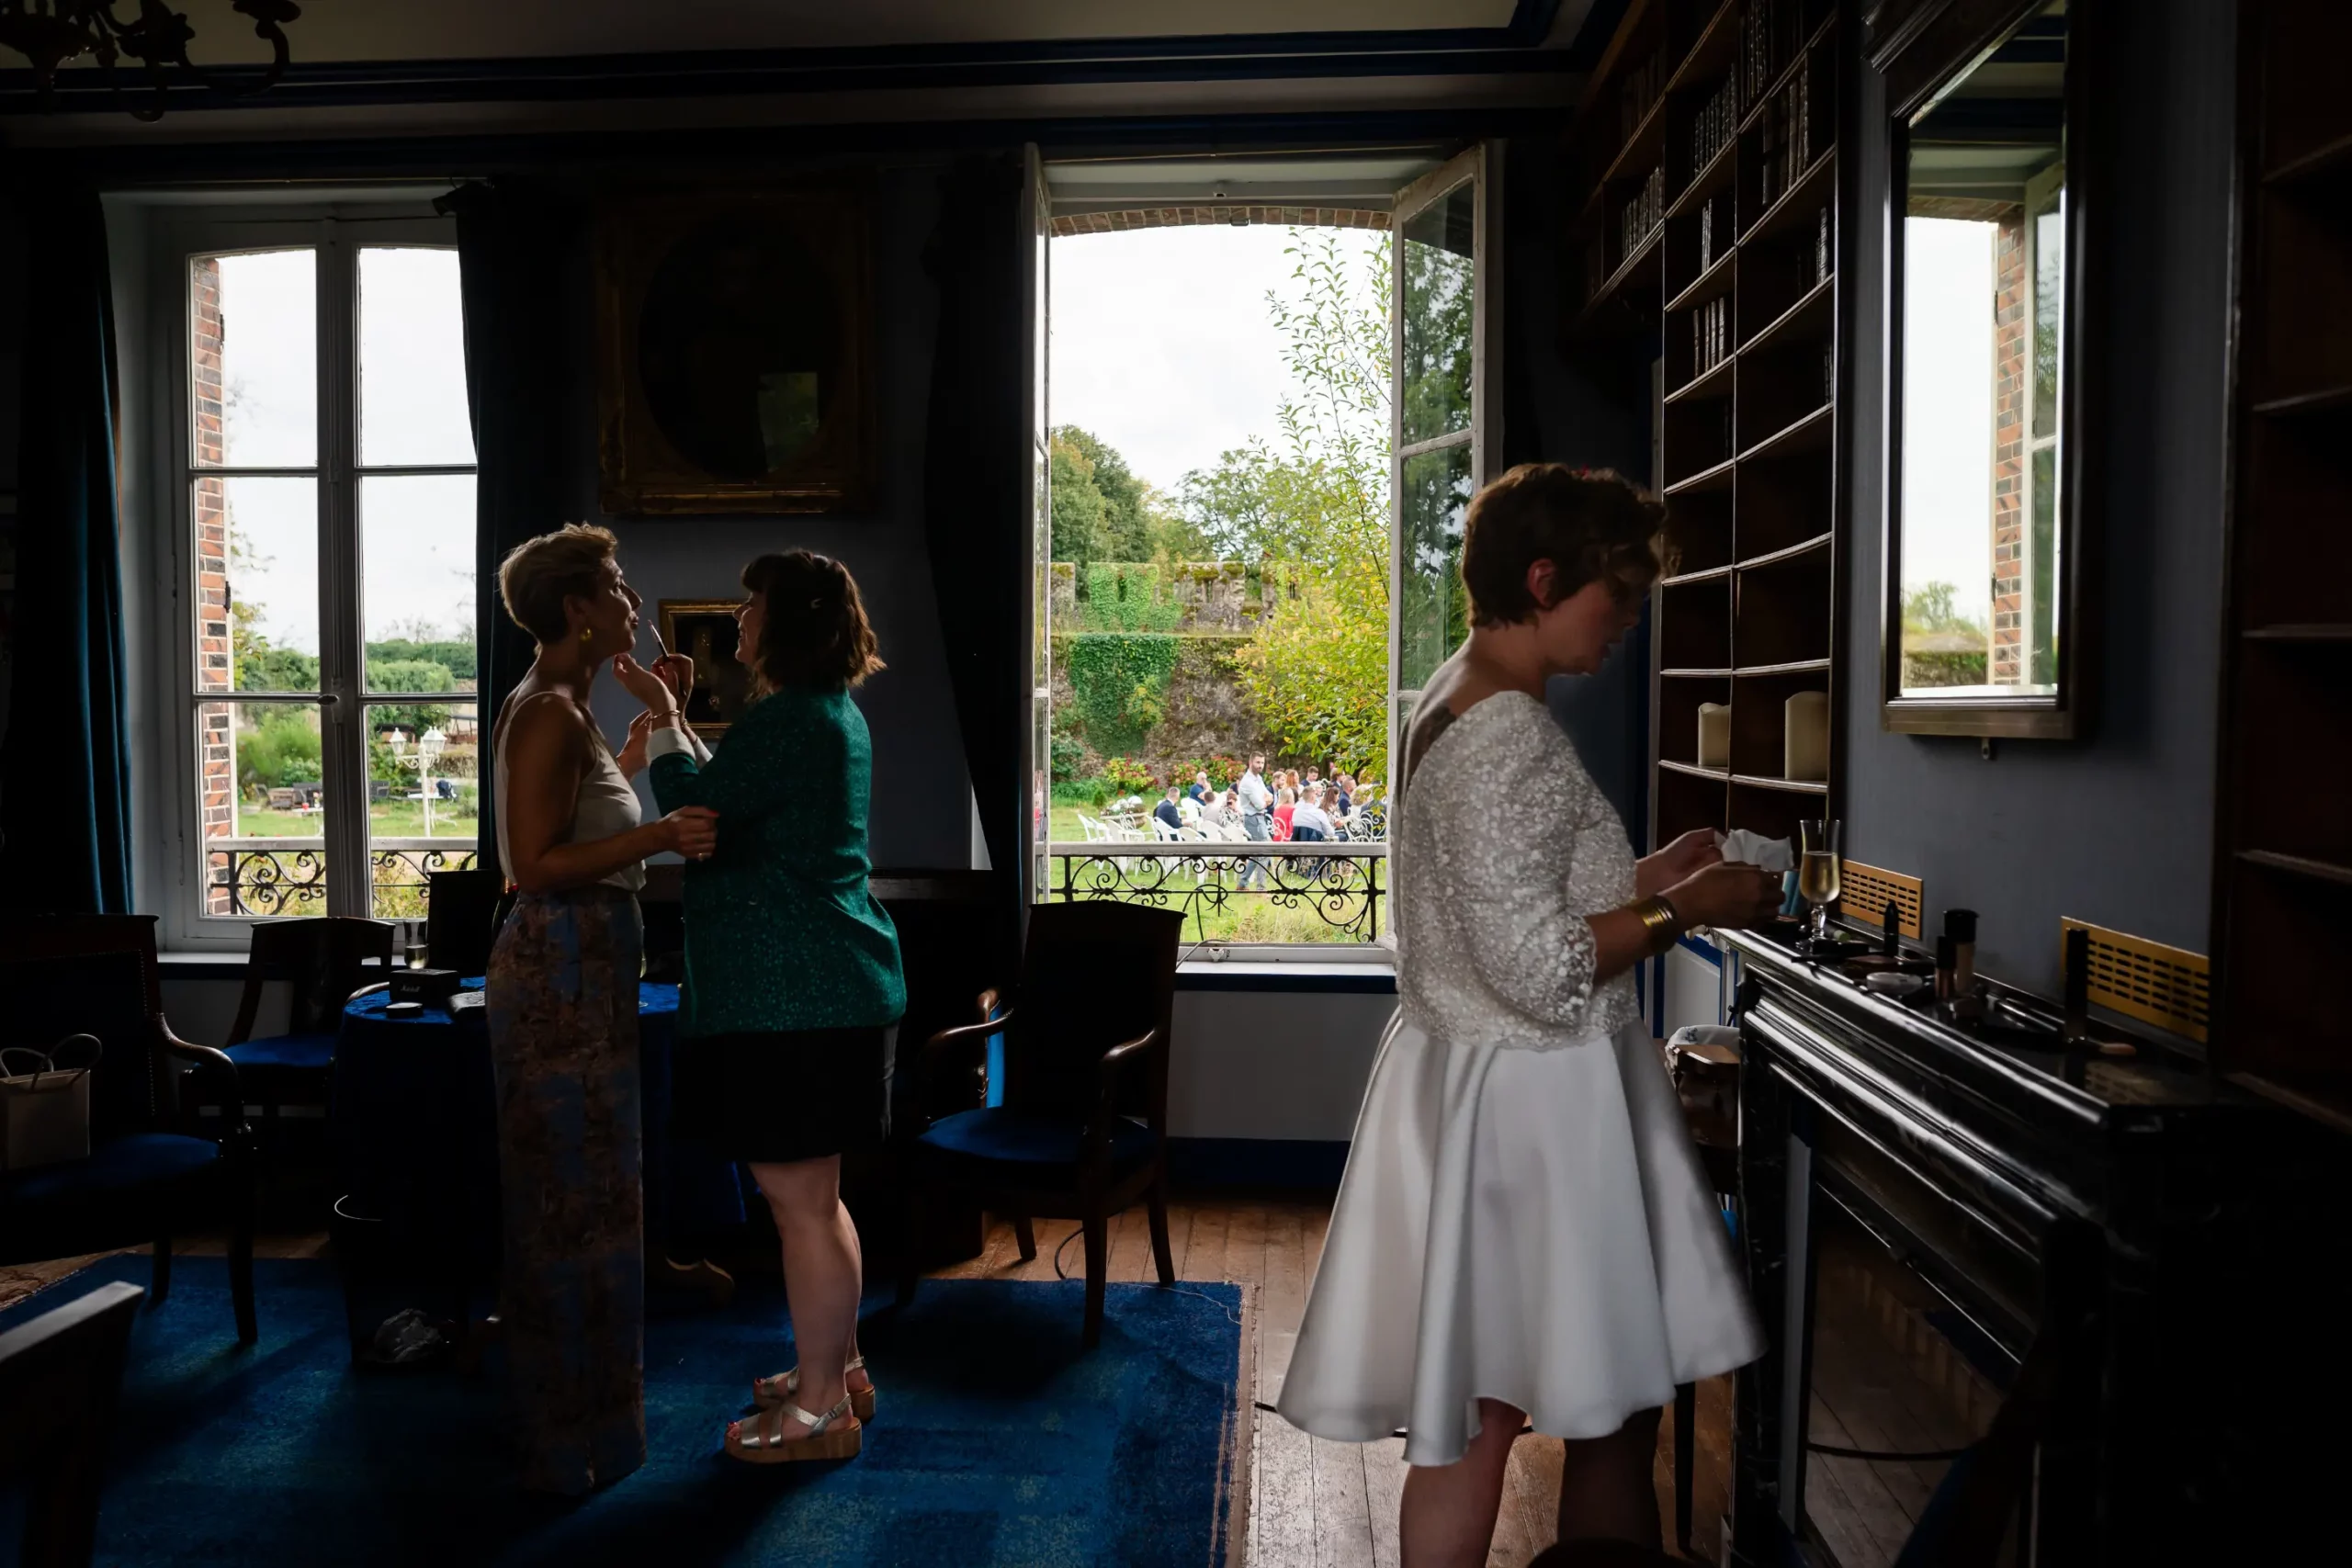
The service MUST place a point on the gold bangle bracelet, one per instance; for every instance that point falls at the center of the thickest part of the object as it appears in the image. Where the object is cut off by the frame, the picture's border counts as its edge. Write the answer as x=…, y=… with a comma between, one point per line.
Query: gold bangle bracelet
x=1660, y=921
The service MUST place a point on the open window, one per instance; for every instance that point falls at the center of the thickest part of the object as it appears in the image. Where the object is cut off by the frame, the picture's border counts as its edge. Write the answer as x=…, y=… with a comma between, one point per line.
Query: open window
x=1283, y=584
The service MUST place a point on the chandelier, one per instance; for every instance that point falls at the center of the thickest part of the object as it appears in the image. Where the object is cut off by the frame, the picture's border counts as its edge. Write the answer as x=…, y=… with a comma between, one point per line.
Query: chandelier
x=47, y=33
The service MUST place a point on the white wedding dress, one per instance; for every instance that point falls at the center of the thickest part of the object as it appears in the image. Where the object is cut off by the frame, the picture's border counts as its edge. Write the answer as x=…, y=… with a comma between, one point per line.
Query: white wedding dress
x=1523, y=1217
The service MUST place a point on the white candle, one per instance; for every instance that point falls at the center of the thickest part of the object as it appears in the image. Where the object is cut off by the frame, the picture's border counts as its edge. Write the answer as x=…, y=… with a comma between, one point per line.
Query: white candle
x=1804, y=733
x=1714, y=735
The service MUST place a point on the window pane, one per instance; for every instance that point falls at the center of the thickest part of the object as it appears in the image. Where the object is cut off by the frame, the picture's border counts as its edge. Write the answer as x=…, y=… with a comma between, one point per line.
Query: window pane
x=1433, y=615
x=256, y=583
x=261, y=808
x=423, y=798
x=254, y=354
x=1438, y=301
x=412, y=359
x=417, y=581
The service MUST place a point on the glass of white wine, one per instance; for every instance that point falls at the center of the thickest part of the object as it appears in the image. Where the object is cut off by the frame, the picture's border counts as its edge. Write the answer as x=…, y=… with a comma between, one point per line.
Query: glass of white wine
x=1817, y=872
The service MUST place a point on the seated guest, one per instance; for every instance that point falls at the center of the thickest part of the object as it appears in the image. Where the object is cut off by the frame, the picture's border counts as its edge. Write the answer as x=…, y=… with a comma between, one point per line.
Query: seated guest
x=1169, y=812
x=1343, y=802
x=1200, y=791
x=562, y=1006
x=1286, y=805
x=1221, y=814
x=1309, y=824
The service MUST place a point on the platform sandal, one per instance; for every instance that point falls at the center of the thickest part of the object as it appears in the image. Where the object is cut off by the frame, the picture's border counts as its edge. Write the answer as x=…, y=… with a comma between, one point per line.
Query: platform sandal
x=769, y=1392
x=760, y=1440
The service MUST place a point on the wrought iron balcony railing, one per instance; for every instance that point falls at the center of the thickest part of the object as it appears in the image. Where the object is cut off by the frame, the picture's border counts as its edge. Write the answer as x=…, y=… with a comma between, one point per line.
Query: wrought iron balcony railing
x=288, y=876
x=1288, y=892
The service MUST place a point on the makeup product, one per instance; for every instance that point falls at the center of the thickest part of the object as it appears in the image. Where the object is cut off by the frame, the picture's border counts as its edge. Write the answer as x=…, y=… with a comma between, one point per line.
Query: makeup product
x=1890, y=930
x=1894, y=983
x=1943, y=968
x=2078, y=987
x=1961, y=926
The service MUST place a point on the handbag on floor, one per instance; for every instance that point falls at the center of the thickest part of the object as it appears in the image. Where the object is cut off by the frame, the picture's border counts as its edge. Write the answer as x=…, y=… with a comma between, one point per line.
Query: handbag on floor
x=45, y=1113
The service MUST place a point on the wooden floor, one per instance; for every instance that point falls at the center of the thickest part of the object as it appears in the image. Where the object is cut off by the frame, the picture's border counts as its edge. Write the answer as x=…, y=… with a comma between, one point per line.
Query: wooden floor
x=1311, y=1503
x=1314, y=1504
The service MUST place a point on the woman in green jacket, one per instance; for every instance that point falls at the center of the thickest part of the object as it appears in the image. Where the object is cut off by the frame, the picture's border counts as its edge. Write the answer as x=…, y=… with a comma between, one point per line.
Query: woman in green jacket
x=793, y=990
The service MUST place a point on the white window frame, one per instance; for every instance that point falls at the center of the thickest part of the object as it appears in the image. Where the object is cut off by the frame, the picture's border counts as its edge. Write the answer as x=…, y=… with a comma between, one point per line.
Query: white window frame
x=337, y=231
x=1481, y=167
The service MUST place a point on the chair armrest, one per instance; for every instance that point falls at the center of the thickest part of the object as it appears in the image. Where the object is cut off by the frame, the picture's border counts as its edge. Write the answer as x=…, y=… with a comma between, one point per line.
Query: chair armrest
x=367, y=991
x=213, y=1064
x=964, y=1036
x=1097, y=1147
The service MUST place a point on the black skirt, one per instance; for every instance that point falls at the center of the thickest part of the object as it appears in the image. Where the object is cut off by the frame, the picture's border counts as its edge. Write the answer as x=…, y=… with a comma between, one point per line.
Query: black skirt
x=777, y=1096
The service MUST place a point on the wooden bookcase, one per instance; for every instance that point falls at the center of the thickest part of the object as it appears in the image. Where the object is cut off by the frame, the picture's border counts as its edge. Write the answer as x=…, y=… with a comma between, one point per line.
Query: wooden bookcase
x=1708, y=229
x=2282, y=879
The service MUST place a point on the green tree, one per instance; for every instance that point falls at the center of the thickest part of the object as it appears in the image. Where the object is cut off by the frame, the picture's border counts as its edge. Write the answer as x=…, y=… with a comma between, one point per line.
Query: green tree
x=410, y=675
x=1312, y=507
x=281, y=749
x=1078, y=502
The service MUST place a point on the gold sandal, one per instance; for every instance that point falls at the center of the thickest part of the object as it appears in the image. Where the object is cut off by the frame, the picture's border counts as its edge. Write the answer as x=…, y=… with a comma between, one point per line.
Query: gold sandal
x=760, y=1440
x=769, y=1392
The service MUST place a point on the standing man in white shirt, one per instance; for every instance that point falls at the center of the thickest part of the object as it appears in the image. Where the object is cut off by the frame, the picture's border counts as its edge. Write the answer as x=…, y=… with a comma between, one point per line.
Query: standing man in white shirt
x=1256, y=816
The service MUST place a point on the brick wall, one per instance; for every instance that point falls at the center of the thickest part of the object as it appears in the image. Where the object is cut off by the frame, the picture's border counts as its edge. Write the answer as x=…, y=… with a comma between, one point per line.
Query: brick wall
x=216, y=737
x=2012, y=345
x=1218, y=212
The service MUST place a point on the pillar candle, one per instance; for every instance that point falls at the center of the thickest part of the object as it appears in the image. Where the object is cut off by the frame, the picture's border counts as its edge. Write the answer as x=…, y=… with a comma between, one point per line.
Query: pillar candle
x=1714, y=735
x=1804, y=731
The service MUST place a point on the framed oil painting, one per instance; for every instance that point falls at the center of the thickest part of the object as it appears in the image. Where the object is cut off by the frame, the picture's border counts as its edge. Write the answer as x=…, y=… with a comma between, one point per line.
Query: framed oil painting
x=735, y=344
x=704, y=630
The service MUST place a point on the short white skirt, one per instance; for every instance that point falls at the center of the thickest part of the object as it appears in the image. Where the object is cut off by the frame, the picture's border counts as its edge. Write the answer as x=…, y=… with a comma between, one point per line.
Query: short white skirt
x=1527, y=1225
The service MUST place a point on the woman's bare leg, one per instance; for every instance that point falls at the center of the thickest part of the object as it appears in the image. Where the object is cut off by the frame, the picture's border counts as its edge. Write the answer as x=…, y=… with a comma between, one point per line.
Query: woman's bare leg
x=1608, y=1489
x=1447, y=1518
x=821, y=1273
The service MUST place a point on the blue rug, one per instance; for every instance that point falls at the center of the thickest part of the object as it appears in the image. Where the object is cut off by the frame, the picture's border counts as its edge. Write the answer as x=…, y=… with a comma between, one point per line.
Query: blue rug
x=996, y=1441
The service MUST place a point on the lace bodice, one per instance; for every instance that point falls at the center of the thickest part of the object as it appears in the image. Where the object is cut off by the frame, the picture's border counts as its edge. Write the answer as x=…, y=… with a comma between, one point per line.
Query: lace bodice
x=1501, y=845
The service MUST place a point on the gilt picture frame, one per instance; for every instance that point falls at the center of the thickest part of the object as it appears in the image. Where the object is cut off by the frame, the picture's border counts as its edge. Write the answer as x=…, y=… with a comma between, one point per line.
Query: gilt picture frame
x=735, y=352
x=704, y=630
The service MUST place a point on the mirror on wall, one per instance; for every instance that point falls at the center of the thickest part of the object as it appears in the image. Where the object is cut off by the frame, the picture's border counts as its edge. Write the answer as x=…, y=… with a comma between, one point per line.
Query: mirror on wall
x=1981, y=531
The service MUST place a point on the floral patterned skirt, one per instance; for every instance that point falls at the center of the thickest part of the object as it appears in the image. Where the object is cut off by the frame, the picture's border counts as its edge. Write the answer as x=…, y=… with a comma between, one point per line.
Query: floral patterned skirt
x=562, y=1000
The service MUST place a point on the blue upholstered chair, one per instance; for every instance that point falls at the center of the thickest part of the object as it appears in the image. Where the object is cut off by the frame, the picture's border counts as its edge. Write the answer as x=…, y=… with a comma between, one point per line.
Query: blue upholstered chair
x=1082, y=1131
x=324, y=961
x=148, y=1178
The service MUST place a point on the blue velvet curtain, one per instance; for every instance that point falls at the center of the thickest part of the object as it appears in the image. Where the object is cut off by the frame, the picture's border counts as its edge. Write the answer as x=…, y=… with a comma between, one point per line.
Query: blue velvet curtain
x=513, y=243
x=65, y=765
x=976, y=498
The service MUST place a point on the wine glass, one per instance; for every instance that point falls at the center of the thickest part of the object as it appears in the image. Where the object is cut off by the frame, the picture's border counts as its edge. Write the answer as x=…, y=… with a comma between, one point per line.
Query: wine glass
x=1817, y=874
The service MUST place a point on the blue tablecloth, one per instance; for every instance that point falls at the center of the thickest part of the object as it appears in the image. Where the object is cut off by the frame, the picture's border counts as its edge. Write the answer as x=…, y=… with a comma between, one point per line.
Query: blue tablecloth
x=415, y=1120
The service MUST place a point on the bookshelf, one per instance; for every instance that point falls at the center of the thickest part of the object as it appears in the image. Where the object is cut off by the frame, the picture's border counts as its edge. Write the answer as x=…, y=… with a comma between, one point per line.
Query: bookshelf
x=2283, y=841
x=1707, y=226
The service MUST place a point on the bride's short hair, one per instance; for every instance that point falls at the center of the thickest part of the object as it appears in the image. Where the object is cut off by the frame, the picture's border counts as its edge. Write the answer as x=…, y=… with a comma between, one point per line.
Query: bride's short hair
x=1591, y=524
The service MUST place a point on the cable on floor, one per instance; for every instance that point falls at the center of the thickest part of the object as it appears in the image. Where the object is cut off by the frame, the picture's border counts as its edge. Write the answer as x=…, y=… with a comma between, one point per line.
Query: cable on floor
x=1231, y=1317
x=1399, y=1432
x=1885, y=1456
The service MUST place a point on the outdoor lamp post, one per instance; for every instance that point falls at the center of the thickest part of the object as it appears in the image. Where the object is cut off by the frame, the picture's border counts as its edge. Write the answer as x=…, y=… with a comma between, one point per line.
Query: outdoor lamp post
x=426, y=751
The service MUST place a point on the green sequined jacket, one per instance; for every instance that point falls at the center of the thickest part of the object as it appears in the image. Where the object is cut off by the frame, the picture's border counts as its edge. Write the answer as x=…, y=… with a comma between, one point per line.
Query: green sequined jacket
x=782, y=931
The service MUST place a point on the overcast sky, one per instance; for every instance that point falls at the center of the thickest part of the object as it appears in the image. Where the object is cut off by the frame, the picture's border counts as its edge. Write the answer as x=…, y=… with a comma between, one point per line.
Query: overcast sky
x=1162, y=344
x=417, y=531
x=1947, y=409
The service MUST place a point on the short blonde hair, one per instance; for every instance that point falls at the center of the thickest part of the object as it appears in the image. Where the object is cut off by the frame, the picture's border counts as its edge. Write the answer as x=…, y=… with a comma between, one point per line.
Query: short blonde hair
x=538, y=575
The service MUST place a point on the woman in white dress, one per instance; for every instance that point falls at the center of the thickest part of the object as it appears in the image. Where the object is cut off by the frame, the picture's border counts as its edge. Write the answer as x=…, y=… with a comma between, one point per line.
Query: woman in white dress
x=1523, y=1233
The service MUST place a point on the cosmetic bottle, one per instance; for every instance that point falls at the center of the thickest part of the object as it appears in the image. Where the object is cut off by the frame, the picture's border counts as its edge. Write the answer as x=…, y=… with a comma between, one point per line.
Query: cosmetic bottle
x=1944, y=961
x=1961, y=926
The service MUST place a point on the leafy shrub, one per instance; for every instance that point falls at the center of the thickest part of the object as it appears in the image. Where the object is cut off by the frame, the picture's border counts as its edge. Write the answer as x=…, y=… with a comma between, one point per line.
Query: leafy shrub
x=1124, y=777
x=282, y=749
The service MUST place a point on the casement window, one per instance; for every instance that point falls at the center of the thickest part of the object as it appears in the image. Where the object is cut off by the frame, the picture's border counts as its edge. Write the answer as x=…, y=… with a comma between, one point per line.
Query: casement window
x=321, y=502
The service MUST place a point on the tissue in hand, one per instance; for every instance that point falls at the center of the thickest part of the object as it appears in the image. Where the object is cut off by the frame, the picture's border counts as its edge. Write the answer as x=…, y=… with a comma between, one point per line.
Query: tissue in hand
x=1744, y=848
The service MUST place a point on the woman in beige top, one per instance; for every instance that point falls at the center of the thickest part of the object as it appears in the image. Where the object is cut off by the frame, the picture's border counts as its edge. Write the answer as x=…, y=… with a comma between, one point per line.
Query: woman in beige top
x=562, y=986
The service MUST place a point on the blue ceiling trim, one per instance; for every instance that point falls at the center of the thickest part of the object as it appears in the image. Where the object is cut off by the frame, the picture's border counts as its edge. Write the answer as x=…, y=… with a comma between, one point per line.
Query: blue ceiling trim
x=728, y=155
x=1531, y=22
x=1420, y=51
x=1592, y=37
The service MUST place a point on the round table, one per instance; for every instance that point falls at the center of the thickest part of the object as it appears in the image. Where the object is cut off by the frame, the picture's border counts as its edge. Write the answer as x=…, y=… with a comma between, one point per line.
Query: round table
x=415, y=1123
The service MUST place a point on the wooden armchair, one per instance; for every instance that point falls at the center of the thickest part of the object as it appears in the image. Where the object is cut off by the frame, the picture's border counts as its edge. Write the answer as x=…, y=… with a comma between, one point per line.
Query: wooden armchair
x=1082, y=1131
x=147, y=1176
x=325, y=960
x=60, y=1378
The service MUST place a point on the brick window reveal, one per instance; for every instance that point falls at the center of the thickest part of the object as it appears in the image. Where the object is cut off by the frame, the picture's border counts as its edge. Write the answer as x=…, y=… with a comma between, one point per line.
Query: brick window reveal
x=216, y=739
x=1239, y=214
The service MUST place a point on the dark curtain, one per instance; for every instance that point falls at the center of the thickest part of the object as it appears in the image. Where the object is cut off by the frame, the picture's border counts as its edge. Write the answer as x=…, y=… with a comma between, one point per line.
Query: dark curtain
x=514, y=244
x=976, y=497
x=65, y=768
